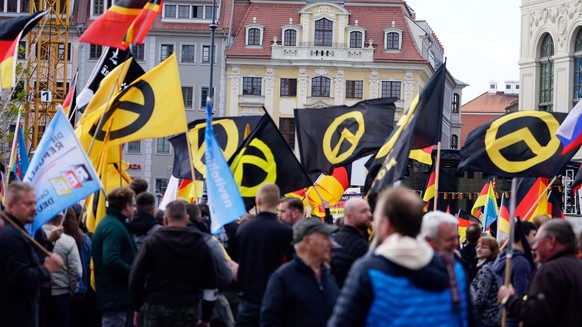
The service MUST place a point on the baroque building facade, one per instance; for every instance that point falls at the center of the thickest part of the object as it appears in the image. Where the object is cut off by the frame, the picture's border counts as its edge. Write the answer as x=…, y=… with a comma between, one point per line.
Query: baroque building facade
x=312, y=54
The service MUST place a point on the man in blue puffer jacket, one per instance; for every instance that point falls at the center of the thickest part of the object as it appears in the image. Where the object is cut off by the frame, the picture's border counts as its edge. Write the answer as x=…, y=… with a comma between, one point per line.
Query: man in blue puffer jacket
x=403, y=283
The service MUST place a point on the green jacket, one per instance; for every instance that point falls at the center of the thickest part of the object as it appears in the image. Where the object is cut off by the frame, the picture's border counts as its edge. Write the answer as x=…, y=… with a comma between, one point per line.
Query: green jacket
x=113, y=253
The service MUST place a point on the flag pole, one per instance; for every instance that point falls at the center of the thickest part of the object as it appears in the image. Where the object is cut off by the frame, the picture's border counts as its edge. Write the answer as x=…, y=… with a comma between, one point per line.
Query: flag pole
x=436, y=176
x=13, y=149
x=509, y=252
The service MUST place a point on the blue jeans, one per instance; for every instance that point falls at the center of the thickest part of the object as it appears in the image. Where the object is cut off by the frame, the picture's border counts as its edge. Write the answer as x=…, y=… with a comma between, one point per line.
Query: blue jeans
x=249, y=314
x=117, y=318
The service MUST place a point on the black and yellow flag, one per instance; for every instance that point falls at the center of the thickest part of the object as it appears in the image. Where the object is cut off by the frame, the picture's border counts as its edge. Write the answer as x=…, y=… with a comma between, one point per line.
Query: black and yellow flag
x=265, y=157
x=336, y=136
x=419, y=128
x=229, y=133
x=150, y=107
x=517, y=144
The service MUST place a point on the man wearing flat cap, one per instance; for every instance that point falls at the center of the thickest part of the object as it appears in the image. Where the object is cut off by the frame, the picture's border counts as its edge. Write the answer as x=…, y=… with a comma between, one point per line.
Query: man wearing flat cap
x=302, y=292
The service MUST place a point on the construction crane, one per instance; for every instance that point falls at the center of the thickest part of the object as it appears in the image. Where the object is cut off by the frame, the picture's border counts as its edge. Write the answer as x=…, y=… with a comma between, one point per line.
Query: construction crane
x=46, y=69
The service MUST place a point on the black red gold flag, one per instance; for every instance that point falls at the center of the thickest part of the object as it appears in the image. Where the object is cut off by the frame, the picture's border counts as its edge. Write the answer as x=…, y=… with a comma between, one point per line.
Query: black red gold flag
x=528, y=190
x=336, y=136
x=419, y=128
x=265, y=157
x=554, y=207
x=229, y=133
x=11, y=31
x=517, y=144
x=126, y=22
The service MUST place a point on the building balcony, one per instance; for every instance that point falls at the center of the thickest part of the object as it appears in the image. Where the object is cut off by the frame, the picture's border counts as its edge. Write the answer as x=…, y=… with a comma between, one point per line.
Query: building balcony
x=309, y=51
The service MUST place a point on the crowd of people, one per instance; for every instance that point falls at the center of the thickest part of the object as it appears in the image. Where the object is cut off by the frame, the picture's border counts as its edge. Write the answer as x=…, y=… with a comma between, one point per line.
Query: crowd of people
x=147, y=267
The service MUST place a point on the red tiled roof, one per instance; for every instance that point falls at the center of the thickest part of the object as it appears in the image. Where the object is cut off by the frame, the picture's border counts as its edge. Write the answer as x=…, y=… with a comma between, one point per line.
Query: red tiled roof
x=373, y=18
x=487, y=102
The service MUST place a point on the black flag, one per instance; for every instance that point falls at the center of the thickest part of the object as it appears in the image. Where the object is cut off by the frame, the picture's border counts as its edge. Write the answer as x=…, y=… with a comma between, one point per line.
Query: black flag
x=336, y=136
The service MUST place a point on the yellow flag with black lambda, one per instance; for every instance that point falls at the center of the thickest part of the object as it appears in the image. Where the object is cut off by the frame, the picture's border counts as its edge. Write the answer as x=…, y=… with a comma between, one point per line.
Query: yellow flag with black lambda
x=517, y=144
x=420, y=127
x=150, y=107
x=265, y=157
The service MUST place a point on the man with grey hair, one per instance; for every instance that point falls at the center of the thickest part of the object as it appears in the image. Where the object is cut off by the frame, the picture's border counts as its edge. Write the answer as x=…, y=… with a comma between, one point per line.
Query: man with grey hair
x=351, y=238
x=403, y=280
x=555, y=292
x=439, y=229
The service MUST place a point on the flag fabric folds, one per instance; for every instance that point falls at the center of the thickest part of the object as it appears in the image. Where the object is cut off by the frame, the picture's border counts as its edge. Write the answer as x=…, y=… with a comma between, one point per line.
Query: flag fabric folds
x=265, y=157
x=420, y=127
x=429, y=192
x=19, y=156
x=224, y=200
x=11, y=31
x=70, y=101
x=150, y=107
x=482, y=198
x=528, y=190
x=490, y=211
x=465, y=220
x=331, y=187
x=503, y=220
x=126, y=22
x=59, y=171
x=110, y=59
x=570, y=131
x=336, y=136
x=422, y=155
x=171, y=192
x=229, y=133
x=554, y=207
x=517, y=144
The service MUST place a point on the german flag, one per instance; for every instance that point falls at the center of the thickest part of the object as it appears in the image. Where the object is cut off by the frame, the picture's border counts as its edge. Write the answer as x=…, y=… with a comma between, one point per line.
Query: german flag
x=503, y=221
x=481, y=200
x=429, y=193
x=422, y=155
x=528, y=191
x=126, y=22
x=11, y=31
x=70, y=101
x=465, y=220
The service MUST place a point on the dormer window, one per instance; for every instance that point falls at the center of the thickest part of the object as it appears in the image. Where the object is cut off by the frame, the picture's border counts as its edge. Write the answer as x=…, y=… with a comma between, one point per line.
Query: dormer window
x=323, y=32
x=356, y=39
x=392, y=38
x=290, y=37
x=254, y=35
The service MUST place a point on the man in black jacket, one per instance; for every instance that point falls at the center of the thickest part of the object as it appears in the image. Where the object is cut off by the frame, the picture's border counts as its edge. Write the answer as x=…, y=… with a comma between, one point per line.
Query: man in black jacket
x=303, y=292
x=264, y=244
x=21, y=274
x=555, y=292
x=143, y=223
x=172, y=272
x=351, y=238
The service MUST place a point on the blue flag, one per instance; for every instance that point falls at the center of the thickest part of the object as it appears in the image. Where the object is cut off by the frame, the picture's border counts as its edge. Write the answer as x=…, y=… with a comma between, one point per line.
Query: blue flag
x=224, y=200
x=20, y=164
x=59, y=171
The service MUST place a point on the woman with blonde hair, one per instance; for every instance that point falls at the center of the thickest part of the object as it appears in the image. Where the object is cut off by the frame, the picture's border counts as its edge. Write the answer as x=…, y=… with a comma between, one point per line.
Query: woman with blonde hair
x=484, y=287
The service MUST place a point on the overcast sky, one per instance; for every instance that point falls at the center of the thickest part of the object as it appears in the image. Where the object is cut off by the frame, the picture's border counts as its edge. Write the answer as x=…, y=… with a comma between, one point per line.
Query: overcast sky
x=481, y=39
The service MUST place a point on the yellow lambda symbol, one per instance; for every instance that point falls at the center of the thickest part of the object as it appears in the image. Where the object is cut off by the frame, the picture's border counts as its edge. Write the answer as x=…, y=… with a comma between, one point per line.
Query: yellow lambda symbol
x=267, y=164
x=198, y=151
x=494, y=145
x=332, y=152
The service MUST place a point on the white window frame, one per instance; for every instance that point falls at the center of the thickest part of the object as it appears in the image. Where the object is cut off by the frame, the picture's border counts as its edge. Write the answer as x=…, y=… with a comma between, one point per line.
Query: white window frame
x=190, y=17
x=294, y=27
x=166, y=43
x=392, y=30
x=191, y=107
x=261, y=29
x=362, y=30
x=202, y=62
x=92, y=6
